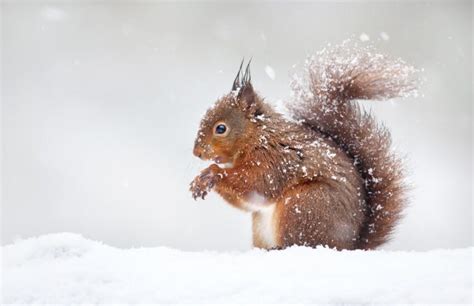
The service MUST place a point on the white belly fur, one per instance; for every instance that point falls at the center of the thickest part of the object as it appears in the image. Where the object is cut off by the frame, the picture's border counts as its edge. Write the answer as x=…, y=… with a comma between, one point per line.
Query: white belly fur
x=265, y=226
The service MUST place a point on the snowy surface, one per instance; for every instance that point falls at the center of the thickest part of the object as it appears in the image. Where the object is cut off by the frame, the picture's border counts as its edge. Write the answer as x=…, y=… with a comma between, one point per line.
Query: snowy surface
x=67, y=268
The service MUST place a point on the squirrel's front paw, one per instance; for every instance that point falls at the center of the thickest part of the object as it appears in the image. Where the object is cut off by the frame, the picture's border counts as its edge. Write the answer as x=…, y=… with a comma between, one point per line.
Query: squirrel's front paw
x=204, y=182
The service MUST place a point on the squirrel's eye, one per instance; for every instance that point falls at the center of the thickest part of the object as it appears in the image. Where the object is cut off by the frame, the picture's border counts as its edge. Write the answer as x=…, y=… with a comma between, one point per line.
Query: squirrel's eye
x=221, y=129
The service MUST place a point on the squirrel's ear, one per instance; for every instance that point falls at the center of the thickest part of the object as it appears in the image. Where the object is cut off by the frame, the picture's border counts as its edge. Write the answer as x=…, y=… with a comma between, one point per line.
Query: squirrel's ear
x=246, y=95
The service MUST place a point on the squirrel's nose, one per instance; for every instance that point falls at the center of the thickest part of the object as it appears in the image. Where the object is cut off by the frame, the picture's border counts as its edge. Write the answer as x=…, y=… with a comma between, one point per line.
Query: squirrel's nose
x=197, y=151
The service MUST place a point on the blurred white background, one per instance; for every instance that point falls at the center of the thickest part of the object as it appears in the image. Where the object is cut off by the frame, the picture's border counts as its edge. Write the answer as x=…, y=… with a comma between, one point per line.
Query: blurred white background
x=101, y=102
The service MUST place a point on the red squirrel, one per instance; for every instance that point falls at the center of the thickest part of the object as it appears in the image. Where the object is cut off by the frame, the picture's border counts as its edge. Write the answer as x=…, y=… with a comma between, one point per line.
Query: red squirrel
x=327, y=175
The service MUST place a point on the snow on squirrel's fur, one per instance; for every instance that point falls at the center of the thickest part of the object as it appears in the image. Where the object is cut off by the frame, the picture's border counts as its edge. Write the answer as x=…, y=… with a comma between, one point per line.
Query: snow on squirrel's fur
x=68, y=269
x=330, y=174
x=324, y=98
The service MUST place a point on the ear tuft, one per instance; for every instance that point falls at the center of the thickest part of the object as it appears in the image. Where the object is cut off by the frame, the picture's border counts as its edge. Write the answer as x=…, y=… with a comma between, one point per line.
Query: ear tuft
x=242, y=81
x=243, y=88
x=237, y=81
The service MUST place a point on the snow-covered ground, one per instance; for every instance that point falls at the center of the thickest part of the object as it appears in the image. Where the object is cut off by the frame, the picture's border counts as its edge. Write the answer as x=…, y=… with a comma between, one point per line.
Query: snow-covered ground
x=68, y=268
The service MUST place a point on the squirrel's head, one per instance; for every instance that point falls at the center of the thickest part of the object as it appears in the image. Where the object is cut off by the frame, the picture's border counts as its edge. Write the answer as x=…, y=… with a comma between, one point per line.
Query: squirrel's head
x=229, y=126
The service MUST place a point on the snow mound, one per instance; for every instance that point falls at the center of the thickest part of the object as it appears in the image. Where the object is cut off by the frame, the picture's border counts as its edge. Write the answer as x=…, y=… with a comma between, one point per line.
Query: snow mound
x=67, y=268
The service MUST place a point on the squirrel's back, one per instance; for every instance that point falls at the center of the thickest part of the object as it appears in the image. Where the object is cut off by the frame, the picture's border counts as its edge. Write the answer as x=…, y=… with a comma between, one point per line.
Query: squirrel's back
x=325, y=102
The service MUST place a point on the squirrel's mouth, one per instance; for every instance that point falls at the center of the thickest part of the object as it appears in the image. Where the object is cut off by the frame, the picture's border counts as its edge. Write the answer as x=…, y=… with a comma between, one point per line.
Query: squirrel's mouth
x=223, y=162
x=219, y=160
x=226, y=165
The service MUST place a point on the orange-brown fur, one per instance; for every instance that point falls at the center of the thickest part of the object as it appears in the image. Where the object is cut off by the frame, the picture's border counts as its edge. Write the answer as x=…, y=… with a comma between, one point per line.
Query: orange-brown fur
x=329, y=174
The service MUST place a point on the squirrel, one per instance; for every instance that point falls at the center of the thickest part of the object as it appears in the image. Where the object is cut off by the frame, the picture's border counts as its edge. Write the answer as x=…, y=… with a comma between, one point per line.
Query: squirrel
x=327, y=175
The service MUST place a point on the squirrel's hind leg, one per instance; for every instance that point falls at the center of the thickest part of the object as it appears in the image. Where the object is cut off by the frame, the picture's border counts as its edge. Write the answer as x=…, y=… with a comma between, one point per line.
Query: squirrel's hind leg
x=312, y=214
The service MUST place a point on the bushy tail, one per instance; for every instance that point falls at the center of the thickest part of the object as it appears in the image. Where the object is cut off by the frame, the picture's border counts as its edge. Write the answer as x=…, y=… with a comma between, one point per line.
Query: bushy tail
x=334, y=78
